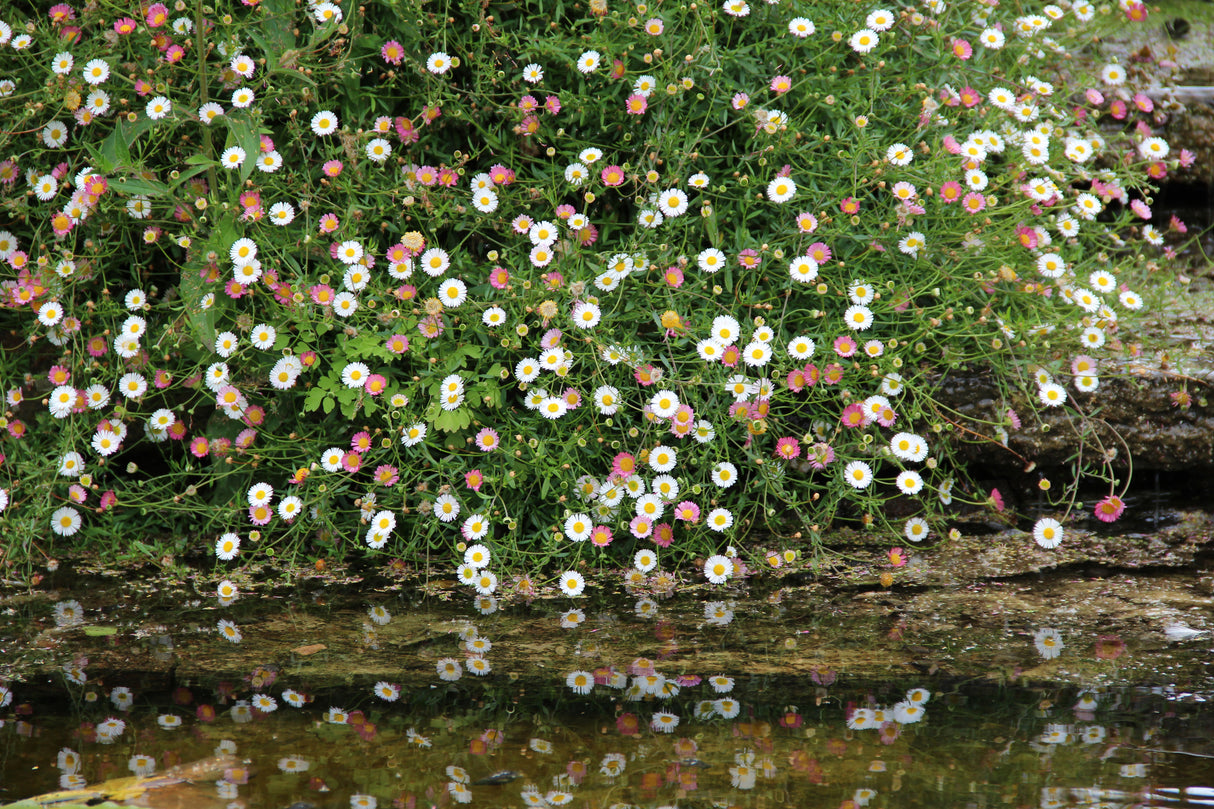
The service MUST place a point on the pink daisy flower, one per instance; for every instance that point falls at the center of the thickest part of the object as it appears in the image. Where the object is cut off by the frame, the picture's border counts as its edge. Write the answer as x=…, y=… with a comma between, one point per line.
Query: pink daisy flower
x=687, y=511
x=624, y=465
x=488, y=440
x=788, y=448
x=601, y=536
x=375, y=384
x=1110, y=508
x=392, y=52
x=361, y=442
x=950, y=192
x=820, y=455
x=852, y=416
x=845, y=346
x=612, y=175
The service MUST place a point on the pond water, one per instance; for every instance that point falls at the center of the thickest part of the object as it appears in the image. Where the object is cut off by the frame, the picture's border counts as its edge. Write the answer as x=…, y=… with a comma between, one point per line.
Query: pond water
x=974, y=744
x=411, y=693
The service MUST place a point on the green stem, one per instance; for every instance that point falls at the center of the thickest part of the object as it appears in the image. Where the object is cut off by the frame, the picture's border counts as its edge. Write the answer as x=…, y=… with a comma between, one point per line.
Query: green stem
x=203, y=92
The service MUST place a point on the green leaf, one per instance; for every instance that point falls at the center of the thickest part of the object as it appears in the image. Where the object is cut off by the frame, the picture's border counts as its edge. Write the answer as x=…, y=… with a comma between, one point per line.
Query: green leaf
x=192, y=290
x=247, y=136
x=489, y=392
x=100, y=162
x=100, y=631
x=451, y=420
x=290, y=261
x=225, y=234
x=313, y=399
x=274, y=35
x=186, y=176
x=456, y=360
x=328, y=403
x=135, y=185
x=364, y=346
x=115, y=150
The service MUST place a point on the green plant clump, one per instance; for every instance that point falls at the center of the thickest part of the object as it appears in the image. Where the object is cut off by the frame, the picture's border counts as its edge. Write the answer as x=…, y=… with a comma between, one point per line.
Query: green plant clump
x=572, y=282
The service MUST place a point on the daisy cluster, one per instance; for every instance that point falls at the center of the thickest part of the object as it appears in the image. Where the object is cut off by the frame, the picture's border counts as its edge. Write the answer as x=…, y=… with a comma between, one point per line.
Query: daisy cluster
x=549, y=296
x=909, y=710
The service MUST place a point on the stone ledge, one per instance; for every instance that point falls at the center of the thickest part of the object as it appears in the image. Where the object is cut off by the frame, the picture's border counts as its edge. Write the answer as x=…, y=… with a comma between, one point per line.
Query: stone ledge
x=1135, y=413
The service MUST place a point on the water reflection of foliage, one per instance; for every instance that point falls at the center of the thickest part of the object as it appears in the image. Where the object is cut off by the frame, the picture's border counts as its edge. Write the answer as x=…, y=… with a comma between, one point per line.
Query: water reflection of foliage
x=1025, y=745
